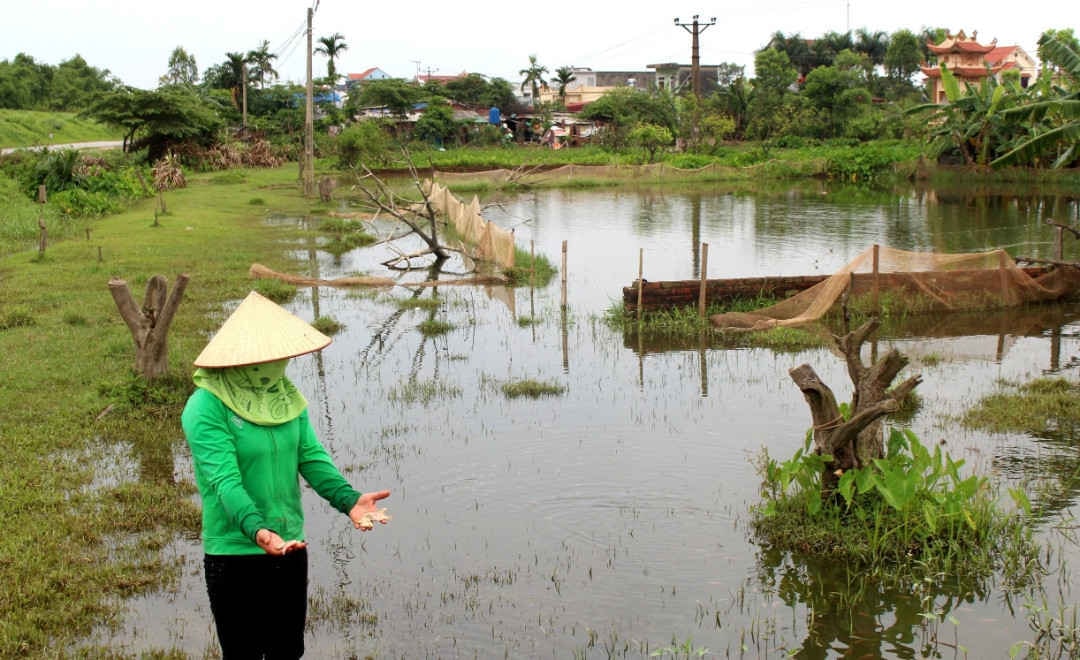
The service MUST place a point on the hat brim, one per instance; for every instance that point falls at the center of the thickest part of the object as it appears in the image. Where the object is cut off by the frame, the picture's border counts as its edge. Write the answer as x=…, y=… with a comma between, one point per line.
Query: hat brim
x=259, y=330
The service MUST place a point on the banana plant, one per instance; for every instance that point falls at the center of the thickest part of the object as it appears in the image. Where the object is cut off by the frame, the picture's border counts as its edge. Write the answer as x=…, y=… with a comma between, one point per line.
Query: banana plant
x=1054, y=117
x=974, y=118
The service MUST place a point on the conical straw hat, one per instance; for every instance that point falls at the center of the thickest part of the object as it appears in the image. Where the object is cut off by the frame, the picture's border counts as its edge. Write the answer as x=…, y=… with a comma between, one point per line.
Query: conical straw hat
x=260, y=330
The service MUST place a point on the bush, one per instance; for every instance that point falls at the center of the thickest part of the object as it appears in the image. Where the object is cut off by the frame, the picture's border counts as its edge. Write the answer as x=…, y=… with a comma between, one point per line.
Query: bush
x=364, y=143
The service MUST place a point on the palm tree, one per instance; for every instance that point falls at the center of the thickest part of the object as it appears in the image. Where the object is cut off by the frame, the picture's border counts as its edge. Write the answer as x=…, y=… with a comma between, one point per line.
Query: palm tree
x=872, y=44
x=533, y=77
x=262, y=59
x=234, y=66
x=564, y=75
x=332, y=47
x=796, y=48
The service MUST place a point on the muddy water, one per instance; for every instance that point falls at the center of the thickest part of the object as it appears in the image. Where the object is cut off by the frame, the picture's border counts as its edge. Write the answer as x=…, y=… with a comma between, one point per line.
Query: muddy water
x=611, y=520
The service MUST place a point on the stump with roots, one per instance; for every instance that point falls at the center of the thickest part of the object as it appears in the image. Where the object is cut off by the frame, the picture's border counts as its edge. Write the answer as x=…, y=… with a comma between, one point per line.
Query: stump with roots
x=149, y=325
x=854, y=442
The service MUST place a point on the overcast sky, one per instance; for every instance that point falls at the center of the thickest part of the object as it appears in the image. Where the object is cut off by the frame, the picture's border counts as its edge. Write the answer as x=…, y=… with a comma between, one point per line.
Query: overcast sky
x=134, y=39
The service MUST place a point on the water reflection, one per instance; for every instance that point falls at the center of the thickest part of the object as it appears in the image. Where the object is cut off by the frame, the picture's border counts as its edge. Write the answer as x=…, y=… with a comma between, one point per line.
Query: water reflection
x=861, y=616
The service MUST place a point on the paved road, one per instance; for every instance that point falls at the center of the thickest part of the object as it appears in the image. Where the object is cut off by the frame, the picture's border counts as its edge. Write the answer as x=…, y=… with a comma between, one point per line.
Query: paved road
x=112, y=144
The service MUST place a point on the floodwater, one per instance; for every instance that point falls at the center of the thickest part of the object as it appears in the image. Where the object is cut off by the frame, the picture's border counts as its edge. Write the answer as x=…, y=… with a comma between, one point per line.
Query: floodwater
x=612, y=520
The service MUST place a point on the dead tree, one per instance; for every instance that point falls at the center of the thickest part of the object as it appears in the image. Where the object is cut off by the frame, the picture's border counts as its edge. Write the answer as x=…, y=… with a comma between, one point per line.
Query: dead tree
x=149, y=325
x=854, y=442
x=418, y=217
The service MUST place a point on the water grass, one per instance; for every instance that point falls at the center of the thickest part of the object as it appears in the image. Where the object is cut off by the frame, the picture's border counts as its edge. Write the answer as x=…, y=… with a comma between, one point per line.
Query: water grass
x=423, y=392
x=327, y=325
x=427, y=304
x=1044, y=407
x=530, y=269
x=434, y=327
x=531, y=388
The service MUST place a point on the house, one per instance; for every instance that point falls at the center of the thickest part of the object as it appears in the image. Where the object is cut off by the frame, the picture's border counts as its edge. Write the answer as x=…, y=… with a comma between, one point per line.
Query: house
x=679, y=77
x=589, y=85
x=354, y=80
x=972, y=62
x=423, y=79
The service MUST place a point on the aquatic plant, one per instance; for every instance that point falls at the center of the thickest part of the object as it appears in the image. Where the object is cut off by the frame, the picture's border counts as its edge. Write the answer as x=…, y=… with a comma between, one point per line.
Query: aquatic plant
x=912, y=510
x=327, y=325
x=530, y=388
x=434, y=327
x=530, y=269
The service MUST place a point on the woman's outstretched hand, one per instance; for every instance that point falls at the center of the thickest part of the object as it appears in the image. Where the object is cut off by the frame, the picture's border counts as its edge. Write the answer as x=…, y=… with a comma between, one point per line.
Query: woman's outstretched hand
x=365, y=514
x=272, y=544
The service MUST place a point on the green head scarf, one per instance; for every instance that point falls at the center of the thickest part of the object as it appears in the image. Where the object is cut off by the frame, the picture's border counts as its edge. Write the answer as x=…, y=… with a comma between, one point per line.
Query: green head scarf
x=259, y=393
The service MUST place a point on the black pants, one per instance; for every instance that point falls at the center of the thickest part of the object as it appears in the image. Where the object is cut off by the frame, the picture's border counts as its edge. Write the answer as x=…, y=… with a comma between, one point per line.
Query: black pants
x=259, y=604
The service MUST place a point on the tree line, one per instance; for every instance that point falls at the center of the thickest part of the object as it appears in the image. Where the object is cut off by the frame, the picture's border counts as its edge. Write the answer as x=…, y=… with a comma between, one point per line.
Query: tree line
x=850, y=87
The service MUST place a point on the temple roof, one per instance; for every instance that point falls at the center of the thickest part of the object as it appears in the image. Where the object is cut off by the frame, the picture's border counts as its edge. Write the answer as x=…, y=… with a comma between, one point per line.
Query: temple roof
x=960, y=43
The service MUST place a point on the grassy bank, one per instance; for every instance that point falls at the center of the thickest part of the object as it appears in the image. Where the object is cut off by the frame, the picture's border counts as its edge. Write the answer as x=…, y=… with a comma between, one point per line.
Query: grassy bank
x=90, y=498
x=30, y=128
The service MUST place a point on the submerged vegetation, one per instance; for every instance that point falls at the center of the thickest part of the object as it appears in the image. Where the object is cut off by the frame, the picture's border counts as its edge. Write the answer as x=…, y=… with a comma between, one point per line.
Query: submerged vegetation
x=1044, y=407
x=531, y=388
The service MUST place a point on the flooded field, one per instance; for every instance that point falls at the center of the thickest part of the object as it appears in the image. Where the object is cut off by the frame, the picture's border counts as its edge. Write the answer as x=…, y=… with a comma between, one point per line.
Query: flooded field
x=611, y=519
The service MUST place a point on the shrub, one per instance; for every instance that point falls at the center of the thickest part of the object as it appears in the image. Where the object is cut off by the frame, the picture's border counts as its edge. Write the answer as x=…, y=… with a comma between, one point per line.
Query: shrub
x=364, y=143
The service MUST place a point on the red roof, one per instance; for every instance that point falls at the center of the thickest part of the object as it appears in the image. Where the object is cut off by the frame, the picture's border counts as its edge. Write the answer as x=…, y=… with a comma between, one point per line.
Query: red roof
x=999, y=54
x=971, y=72
x=362, y=74
x=959, y=47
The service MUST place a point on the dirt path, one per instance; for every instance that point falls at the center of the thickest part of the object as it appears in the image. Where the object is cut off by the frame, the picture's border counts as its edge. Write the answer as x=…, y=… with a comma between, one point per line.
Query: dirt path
x=104, y=144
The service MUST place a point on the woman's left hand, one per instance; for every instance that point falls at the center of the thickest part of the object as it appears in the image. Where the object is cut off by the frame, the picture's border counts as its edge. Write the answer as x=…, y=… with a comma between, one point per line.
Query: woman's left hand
x=365, y=510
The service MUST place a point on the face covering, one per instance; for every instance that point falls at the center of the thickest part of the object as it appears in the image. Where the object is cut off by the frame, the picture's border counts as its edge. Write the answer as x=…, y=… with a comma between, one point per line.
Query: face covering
x=259, y=393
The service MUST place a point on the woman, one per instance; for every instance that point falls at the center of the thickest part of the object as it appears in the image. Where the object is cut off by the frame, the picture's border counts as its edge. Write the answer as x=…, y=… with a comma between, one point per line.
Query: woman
x=251, y=440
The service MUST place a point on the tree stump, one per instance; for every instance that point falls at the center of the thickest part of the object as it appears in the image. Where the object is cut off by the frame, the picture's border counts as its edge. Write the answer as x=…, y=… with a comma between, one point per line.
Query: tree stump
x=149, y=325
x=854, y=442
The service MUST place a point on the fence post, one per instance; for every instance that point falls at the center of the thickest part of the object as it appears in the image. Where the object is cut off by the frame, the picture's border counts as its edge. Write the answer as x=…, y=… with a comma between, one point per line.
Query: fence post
x=874, y=295
x=564, y=274
x=640, y=280
x=704, y=279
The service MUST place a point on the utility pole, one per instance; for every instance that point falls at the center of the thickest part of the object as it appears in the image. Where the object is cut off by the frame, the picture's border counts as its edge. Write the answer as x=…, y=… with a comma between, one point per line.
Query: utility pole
x=244, y=80
x=309, y=121
x=695, y=28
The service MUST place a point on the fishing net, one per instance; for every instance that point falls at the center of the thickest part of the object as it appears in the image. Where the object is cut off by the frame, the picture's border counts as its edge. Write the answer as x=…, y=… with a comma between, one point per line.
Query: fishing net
x=489, y=242
x=916, y=281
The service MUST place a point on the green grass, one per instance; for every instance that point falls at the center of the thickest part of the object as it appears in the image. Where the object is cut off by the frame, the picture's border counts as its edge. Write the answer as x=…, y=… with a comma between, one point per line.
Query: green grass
x=29, y=128
x=1045, y=407
x=423, y=392
x=327, y=325
x=434, y=327
x=95, y=542
x=531, y=389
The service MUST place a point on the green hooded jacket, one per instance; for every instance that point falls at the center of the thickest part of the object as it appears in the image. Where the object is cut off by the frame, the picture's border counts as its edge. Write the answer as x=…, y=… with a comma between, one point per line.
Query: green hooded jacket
x=249, y=475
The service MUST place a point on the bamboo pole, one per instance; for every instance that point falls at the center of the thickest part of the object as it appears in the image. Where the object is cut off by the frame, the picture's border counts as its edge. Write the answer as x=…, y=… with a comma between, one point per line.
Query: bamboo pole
x=1002, y=269
x=704, y=279
x=1059, y=243
x=877, y=263
x=640, y=281
x=564, y=274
